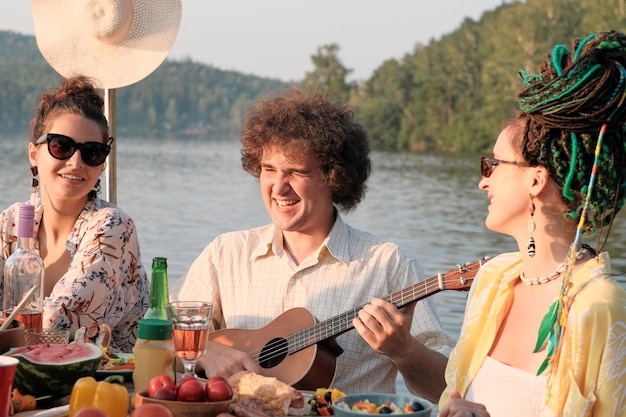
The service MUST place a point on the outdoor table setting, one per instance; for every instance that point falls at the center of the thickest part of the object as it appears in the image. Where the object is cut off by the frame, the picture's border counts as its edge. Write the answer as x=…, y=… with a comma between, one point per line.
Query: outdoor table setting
x=29, y=372
x=19, y=381
x=234, y=400
x=58, y=375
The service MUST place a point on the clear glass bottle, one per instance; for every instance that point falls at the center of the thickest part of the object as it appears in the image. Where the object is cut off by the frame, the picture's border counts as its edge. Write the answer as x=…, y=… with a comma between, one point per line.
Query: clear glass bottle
x=159, y=291
x=23, y=270
x=154, y=352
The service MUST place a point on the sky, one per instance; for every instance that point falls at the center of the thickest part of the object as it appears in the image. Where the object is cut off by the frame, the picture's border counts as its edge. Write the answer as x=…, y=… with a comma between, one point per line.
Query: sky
x=276, y=38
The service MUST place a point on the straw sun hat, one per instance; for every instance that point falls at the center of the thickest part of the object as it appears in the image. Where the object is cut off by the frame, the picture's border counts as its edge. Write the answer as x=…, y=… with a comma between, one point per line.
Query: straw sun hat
x=115, y=42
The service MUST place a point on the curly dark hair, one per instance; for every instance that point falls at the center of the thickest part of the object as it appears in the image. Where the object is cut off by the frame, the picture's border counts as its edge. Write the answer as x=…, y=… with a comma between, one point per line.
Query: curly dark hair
x=309, y=122
x=76, y=95
x=574, y=104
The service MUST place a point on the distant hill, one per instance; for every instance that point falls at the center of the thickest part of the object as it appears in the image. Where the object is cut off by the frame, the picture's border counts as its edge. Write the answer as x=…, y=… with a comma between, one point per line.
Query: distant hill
x=453, y=94
x=178, y=98
x=450, y=95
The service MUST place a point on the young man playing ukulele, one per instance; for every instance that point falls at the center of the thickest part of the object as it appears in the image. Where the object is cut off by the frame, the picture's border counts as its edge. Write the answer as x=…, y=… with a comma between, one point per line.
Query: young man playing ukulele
x=312, y=159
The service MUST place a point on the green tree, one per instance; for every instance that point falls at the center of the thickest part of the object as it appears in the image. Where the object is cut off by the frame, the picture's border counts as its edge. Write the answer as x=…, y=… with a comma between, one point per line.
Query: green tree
x=330, y=74
x=451, y=94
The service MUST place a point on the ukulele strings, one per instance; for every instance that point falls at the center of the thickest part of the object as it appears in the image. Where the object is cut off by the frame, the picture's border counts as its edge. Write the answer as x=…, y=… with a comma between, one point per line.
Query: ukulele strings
x=343, y=322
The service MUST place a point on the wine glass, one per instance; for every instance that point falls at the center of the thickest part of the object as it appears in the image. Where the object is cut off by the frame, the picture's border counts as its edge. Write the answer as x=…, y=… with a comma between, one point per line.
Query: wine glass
x=190, y=331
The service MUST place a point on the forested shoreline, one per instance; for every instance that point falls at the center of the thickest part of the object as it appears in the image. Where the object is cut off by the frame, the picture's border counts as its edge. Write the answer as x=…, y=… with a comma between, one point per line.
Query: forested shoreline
x=449, y=95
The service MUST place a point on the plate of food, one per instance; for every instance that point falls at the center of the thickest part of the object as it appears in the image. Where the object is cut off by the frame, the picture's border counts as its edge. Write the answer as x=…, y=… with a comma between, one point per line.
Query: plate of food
x=112, y=363
x=116, y=364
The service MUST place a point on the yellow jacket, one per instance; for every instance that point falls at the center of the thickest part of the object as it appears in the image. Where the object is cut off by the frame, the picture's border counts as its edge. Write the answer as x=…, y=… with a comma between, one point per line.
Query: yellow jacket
x=590, y=376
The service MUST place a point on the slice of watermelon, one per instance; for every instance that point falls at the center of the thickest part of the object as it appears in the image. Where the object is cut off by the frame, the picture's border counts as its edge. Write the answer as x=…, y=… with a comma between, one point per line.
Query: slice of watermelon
x=53, y=369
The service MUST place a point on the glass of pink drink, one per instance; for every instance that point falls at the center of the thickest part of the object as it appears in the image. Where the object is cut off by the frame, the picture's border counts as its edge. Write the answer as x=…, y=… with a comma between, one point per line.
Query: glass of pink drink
x=190, y=331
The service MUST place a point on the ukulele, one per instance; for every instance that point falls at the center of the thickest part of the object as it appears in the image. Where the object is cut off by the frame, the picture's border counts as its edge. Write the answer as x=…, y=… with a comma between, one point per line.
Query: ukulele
x=300, y=351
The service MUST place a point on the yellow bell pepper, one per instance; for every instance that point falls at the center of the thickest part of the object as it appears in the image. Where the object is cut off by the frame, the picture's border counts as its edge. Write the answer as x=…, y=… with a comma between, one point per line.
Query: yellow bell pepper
x=111, y=398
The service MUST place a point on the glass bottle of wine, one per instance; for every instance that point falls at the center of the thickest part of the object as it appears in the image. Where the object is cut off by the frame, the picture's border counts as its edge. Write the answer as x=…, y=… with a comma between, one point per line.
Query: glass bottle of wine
x=23, y=270
x=159, y=291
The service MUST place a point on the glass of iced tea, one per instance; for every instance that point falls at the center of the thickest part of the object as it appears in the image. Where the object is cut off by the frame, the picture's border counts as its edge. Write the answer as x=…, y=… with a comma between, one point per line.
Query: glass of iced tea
x=190, y=331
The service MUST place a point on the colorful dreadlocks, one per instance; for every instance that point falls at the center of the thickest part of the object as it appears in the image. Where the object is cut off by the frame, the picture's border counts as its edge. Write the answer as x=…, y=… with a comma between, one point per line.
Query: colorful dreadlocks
x=574, y=114
x=564, y=107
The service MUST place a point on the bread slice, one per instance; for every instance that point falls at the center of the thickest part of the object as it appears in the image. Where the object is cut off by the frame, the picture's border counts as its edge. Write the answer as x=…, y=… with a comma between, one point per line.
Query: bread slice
x=280, y=398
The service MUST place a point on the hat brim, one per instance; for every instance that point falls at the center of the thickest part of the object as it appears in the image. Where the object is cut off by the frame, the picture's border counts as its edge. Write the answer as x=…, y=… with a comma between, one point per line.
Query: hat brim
x=71, y=49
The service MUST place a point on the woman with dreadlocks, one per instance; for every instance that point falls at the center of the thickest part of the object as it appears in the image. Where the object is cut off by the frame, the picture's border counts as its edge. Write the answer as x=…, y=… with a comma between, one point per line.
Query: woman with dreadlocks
x=543, y=333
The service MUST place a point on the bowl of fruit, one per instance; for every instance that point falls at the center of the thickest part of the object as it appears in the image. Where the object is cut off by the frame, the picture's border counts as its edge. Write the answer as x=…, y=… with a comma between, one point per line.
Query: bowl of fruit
x=358, y=404
x=189, y=397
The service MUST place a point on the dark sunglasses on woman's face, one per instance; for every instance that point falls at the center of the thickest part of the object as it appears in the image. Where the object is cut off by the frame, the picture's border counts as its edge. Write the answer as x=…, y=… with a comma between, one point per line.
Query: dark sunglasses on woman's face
x=63, y=147
x=487, y=165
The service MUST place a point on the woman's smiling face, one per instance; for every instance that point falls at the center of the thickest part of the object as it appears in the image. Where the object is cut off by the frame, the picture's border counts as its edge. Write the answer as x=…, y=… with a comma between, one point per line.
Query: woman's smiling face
x=507, y=189
x=69, y=179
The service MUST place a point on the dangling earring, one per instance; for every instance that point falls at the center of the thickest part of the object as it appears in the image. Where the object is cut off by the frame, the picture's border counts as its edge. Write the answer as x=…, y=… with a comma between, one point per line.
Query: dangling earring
x=95, y=191
x=531, y=227
x=34, y=186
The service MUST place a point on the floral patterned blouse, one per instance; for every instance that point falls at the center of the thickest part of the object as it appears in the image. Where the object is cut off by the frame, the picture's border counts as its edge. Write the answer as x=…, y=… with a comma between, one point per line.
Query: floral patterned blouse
x=105, y=282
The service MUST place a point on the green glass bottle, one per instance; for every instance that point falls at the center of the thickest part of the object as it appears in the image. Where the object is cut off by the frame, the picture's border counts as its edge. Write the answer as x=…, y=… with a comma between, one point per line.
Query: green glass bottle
x=159, y=292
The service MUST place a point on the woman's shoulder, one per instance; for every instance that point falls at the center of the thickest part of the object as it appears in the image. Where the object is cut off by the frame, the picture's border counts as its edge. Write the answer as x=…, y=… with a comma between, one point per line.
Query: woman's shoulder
x=496, y=271
x=103, y=209
x=102, y=224
x=502, y=262
x=103, y=219
x=596, y=289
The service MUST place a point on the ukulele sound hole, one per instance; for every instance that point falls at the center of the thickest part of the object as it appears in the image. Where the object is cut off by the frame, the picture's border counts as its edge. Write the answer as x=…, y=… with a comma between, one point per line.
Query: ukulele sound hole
x=273, y=353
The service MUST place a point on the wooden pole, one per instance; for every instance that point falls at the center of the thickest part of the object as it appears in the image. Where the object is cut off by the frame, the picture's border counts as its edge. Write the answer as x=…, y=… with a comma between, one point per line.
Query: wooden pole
x=111, y=167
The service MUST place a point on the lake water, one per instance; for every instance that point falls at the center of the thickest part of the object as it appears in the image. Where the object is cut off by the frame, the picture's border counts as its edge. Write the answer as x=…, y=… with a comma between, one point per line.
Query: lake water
x=183, y=193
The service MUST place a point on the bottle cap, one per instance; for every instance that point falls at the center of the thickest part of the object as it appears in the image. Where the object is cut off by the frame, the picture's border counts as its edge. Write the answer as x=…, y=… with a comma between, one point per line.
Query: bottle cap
x=154, y=329
x=27, y=211
x=25, y=227
x=159, y=262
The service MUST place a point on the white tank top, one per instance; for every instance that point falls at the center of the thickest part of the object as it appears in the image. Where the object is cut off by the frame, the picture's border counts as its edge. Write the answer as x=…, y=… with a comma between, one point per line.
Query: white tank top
x=507, y=391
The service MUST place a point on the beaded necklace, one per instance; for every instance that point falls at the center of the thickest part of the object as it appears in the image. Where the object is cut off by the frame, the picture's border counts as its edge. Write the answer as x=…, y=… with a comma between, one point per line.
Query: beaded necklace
x=559, y=269
x=543, y=280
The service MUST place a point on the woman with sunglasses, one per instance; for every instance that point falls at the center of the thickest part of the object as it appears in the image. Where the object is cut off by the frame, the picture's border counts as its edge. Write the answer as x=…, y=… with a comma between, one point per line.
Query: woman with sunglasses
x=544, y=329
x=93, y=269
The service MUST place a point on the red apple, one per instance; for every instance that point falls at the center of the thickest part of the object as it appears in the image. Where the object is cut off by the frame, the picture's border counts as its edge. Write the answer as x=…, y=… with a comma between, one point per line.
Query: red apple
x=219, y=391
x=216, y=378
x=186, y=378
x=165, y=394
x=160, y=382
x=189, y=389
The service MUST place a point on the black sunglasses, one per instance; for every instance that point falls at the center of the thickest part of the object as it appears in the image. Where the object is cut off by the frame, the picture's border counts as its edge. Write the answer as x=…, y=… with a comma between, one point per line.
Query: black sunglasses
x=487, y=165
x=63, y=147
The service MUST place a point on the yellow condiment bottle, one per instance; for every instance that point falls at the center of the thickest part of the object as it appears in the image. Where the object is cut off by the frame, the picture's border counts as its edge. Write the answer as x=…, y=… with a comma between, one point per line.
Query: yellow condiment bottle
x=154, y=352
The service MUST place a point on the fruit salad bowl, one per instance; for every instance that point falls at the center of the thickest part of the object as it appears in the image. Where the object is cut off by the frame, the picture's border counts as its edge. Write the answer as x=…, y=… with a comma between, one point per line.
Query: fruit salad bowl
x=408, y=405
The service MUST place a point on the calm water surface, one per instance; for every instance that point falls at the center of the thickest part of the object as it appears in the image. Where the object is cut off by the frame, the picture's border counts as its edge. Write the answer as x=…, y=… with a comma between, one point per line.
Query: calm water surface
x=183, y=193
